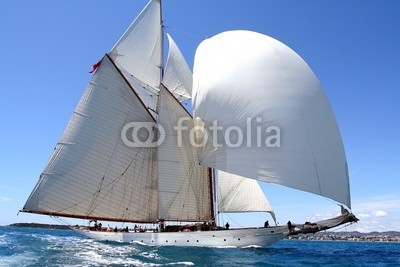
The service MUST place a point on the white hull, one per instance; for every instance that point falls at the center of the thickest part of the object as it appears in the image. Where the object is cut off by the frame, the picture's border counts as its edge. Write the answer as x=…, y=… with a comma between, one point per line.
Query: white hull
x=220, y=238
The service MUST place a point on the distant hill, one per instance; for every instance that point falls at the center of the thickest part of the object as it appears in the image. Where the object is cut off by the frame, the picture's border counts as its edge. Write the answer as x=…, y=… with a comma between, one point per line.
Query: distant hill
x=41, y=225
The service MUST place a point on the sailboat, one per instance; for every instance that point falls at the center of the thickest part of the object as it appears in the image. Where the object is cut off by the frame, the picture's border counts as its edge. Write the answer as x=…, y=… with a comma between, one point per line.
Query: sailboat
x=132, y=153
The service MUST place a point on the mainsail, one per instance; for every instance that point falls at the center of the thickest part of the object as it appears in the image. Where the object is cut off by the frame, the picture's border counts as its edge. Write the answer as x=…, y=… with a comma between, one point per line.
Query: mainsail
x=92, y=173
x=253, y=84
x=96, y=172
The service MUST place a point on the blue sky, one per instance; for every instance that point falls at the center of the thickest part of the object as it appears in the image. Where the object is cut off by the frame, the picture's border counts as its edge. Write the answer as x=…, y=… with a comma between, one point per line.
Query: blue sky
x=353, y=47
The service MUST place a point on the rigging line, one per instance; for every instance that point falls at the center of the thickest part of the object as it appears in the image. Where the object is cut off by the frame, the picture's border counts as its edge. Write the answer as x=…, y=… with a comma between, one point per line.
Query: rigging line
x=227, y=215
x=183, y=155
x=96, y=195
x=240, y=226
x=131, y=181
x=186, y=33
x=93, y=195
x=144, y=167
x=134, y=180
x=151, y=173
x=112, y=182
x=59, y=220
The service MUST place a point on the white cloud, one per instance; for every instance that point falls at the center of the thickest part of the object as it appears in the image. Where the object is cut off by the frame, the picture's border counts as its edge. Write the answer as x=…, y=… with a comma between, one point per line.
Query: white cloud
x=385, y=203
x=380, y=213
x=5, y=199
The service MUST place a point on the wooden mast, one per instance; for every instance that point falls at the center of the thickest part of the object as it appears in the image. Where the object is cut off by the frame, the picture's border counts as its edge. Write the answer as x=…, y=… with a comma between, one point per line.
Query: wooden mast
x=162, y=44
x=211, y=181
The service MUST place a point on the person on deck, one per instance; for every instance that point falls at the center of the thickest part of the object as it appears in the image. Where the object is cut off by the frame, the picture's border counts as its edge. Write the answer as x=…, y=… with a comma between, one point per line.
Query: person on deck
x=227, y=226
x=289, y=225
x=266, y=224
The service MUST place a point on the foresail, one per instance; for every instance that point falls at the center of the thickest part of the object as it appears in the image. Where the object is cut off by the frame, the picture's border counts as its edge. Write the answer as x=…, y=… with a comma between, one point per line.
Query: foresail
x=267, y=93
x=240, y=194
x=138, y=53
x=92, y=172
x=183, y=184
x=177, y=75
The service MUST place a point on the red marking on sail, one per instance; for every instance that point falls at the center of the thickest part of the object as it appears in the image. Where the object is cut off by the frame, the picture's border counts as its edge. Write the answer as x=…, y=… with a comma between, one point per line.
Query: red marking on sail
x=95, y=66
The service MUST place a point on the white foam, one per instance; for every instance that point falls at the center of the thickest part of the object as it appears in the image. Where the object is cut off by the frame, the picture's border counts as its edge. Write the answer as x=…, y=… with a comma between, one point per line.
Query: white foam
x=18, y=259
x=252, y=246
x=151, y=255
x=3, y=240
x=140, y=243
x=225, y=247
x=181, y=263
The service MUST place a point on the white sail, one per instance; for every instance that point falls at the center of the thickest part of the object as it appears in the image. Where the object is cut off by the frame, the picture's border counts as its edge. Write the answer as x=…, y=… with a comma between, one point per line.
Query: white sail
x=260, y=87
x=240, y=194
x=92, y=172
x=177, y=75
x=138, y=53
x=183, y=185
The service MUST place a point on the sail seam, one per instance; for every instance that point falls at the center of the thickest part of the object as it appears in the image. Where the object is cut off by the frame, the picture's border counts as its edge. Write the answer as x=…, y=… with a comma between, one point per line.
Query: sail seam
x=312, y=151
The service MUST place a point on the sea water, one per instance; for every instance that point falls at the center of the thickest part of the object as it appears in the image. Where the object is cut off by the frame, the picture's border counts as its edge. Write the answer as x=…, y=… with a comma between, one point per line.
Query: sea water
x=42, y=247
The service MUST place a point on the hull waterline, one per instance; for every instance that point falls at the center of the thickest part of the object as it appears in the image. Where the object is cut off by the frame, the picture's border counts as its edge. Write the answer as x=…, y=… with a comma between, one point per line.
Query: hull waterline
x=222, y=238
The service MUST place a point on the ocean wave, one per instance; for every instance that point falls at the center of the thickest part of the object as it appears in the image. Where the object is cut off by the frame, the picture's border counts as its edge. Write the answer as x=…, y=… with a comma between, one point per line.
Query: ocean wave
x=3, y=240
x=94, y=258
x=19, y=259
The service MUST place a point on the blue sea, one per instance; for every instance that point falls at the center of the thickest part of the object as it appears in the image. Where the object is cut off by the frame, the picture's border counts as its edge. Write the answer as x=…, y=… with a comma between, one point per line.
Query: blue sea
x=39, y=247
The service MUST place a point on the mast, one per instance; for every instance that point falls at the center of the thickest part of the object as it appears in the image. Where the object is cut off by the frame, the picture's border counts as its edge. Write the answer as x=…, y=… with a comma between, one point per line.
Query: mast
x=162, y=43
x=211, y=176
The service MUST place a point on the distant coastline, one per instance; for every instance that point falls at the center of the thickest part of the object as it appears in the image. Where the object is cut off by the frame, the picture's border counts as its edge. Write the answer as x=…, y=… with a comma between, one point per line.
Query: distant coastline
x=42, y=226
x=390, y=236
